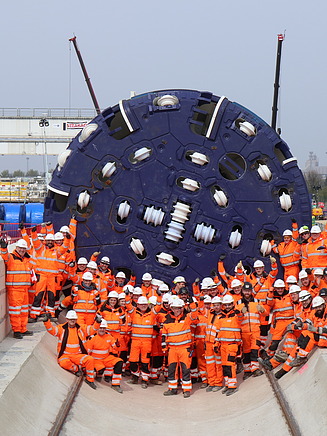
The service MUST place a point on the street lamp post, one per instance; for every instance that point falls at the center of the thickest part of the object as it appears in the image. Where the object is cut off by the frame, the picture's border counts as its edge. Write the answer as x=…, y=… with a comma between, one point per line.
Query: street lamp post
x=45, y=123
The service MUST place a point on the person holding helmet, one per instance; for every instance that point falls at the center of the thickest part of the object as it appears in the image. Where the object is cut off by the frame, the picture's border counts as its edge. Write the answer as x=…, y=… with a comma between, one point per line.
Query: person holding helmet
x=71, y=349
x=143, y=321
x=314, y=332
x=229, y=338
x=289, y=251
x=103, y=348
x=18, y=282
x=47, y=270
x=177, y=337
x=314, y=253
x=279, y=300
x=211, y=346
x=249, y=313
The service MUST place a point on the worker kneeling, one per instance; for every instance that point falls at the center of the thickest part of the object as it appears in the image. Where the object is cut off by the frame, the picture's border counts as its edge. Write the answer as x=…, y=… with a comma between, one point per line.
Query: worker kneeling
x=102, y=347
x=71, y=346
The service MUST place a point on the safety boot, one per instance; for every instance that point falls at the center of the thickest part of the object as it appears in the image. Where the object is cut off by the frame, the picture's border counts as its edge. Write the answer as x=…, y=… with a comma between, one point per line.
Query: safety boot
x=281, y=356
x=279, y=374
x=107, y=378
x=134, y=380
x=225, y=390
x=155, y=381
x=27, y=333
x=231, y=391
x=144, y=384
x=298, y=361
x=31, y=320
x=117, y=389
x=170, y=392
x=247, y=374
x=18, y=335
x=204, y=385
x=186, y=394
x=257, y=373
x=91, y=384
x=216, y=388
x=265, y=363
x=209, y=388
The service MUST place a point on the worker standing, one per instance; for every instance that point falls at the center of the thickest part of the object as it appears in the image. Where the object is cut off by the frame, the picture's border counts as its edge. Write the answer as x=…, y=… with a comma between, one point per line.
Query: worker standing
x=18, y=281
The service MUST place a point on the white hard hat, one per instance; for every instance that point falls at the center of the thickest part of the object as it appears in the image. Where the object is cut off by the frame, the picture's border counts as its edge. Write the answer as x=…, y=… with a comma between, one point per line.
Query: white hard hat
x=156, y=282
x=164, y=288
x=294, y=288
x=142, y=300
x=87, y=276
x=303, y=274
x=92, y=265
x=227, y=299
x=317, y=301
x=177, y=302
x=179, y=279
x=71, y=314
x=21, y=243
x=318, y=272
x=291, y=279
x=279, y=283
x=58, y=236
x=236, y=283
x=304, y=229
x=207, y=299
x=165, y=298
x=121, y=275
x=315, y=229
x=121, y=296
x=287, y=232
x=147, y=276
x=49, y=237
x=304, y=295
x=40, y=236
x=207, y=283
x=137, y=291
x=82, y=261
x=216, y=300
x=113, y=294
x=153, y=299
x=258, y=264
x=64, y=229
x=105, y=259
x=103, y=323
x=128, y=288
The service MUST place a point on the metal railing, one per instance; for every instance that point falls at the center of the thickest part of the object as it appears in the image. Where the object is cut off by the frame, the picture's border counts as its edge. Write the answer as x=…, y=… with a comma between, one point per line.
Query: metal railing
x=47, y=112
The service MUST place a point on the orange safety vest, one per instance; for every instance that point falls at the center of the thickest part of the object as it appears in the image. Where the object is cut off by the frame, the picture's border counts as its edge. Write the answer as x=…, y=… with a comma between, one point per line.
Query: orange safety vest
x=250, y=320
x=100, y=347
x=229, y=327
x=176, y=331
x=85, y=301
x=18, y=270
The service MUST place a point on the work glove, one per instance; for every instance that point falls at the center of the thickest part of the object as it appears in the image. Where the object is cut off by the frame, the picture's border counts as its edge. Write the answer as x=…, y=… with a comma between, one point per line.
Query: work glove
x=48, y=223
x=213, y=272
x=322, y=247
x=46, y=316
x=3, y=243
x=222, y=256
x=308, y=270
x=216, y=349
x=98, y=318
x=126, y=292
x=202, y=297
x=239, y=265
x=96, y=254
x=289, y=328
x=159, y=293
x=117, y=343
x=71, y=264
x=323, y=330
x=272, y=259
x=21, y=226
x=312, y=328
x=298, y=325
x=244, y=310
x=260, y=308
x=34, y=229
x=197, y=280
x=74, y=216
x=293, y=220
x=68, y=236
x=163, y=345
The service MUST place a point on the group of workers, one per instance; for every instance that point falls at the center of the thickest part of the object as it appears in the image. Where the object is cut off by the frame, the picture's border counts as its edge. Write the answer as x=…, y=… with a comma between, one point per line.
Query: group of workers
x=207, y=332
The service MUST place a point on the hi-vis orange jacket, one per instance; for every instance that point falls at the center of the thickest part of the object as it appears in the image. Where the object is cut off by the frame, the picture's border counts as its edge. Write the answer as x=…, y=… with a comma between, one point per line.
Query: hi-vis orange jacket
x=289, y=253
x=85, y=301
x=100, y=347
x=176, y=331
x=70, y=340
x=115, y=318
x=312, y=257
x=250, y=320
x=211, y=329
x=47, y=263
x=18, y=270
x=281, y=306
x=229, y=327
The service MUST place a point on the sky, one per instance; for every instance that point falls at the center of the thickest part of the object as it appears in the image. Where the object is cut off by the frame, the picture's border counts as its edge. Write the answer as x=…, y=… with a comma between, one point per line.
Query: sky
x=228, y=48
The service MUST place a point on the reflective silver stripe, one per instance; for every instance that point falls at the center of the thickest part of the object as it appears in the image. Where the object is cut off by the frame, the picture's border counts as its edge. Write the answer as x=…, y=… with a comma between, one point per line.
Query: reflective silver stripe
x=283, y=317
x=18, y=272
x=142, y=326
x=135, y=335
x=230, y=329
x=283, y=309
x=53, y=271
x=229, y=340
x=172, y=344
x=99, y=351
x=200, y=336
x=85, y=310
x=179, y=333
x=18, y=283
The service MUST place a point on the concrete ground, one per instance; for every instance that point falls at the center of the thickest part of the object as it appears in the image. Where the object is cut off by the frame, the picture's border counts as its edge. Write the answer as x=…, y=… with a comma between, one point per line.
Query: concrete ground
x=32, y=387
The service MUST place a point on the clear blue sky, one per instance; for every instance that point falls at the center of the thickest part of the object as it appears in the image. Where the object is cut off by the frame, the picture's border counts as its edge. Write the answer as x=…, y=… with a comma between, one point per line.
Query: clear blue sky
x=228, y=48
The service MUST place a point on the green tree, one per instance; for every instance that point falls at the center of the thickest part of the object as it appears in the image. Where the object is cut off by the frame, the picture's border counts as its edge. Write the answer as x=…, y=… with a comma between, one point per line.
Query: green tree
x=32, y=173
x=5, y=174
x=18, y=173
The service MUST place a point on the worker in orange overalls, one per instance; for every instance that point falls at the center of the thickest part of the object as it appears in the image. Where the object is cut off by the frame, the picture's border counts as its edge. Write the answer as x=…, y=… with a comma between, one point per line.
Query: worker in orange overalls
x=86, y=299
x=114, y=315
x=102, y=347
x=199, y=338
x=18, y=281
x=229, y=338
x=71, y=349
x=47, y=271
x=289, y=251
x=212, y=351
x=176, y=335
x=250, y=310
x=314, y=254
x=279, y=300
x=143, y=321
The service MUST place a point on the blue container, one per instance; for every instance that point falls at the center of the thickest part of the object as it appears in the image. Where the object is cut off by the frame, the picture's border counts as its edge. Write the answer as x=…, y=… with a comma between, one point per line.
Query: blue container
x=34, y=213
